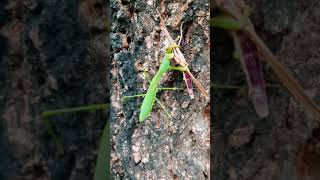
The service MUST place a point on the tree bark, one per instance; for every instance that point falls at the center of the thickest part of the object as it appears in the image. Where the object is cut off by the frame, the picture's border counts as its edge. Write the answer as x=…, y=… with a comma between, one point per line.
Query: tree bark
x=285, y=144
x=159, y=148
x=53, y=55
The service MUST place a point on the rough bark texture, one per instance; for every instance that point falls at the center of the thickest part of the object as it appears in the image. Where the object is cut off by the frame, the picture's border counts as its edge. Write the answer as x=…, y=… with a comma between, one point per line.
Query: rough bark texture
x=284, y=145
x=53, y=54
x=159, y=148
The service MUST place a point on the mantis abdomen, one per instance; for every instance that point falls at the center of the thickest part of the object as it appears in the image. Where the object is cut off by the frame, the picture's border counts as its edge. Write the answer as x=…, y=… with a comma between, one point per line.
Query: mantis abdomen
x=150, y=96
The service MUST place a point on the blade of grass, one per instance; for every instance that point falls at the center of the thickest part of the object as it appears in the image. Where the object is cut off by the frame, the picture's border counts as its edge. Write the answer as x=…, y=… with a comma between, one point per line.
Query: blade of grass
x=102, y=170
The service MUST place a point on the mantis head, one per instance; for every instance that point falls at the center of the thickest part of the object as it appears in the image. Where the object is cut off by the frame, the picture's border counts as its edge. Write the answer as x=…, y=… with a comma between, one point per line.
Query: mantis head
x=171, y=47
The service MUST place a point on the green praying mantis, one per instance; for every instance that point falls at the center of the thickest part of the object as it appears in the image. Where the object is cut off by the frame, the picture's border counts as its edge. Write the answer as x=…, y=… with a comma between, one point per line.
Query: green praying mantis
x=172, y=52
x=150, y=96
x=236, y=19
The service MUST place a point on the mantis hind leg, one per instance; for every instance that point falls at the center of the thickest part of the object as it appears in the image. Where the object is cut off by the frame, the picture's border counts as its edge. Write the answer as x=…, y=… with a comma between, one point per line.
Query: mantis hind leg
x=158, y=101
x=159, y=89
x=164, y=109
x=162, y=106
x=49, y=125
x=133, y=96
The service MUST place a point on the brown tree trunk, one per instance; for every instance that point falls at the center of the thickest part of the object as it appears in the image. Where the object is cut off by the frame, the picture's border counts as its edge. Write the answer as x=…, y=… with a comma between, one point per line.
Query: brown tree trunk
x=284, y=145
x=159, y=148
x=53, y=55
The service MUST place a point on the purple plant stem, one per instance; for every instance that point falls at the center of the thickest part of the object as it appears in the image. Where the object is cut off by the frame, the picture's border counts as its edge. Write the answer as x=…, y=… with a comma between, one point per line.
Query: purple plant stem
x=253, y=69
x=188, y=81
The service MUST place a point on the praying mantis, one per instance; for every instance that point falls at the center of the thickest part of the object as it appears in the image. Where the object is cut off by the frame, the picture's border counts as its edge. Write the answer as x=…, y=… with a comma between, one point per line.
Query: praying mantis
x=172, y=52
x=236, y=19
x=150, y=96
